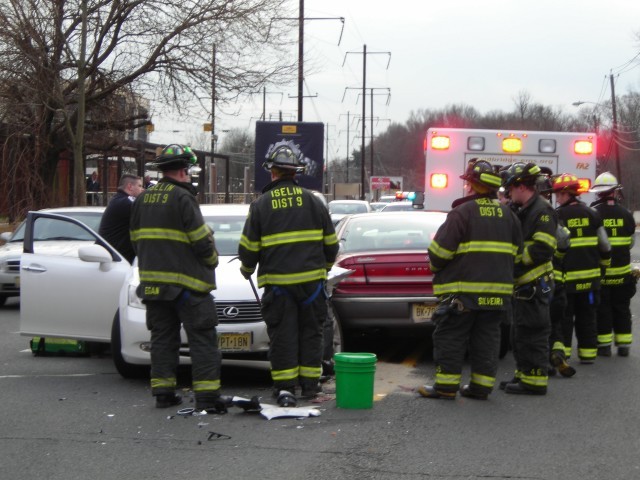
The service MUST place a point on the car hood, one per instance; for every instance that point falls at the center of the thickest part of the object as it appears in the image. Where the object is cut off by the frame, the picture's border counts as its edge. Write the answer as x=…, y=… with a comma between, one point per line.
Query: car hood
x=230, y=284
x=59, y=247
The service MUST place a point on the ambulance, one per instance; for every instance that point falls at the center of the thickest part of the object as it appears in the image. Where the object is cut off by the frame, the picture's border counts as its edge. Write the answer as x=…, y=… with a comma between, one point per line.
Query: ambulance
x=448, y=151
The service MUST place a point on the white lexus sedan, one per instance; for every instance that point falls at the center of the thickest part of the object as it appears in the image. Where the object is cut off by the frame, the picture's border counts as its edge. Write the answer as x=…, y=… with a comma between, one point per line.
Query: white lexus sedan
x=90, y=295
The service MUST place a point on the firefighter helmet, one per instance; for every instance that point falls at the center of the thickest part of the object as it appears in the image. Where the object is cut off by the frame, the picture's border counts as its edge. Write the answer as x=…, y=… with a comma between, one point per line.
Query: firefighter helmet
x=566, y=182
x=521, y=173
x=284, y=157
x=175, y=157
x=605, y=183
x=482, y=173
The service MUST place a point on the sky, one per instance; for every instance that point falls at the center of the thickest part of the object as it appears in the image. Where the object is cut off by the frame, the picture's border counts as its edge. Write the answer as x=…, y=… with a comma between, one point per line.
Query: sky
x=430, y=54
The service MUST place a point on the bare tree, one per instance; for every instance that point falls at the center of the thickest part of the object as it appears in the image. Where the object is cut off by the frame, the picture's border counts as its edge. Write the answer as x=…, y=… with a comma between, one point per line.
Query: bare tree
x=56, y=55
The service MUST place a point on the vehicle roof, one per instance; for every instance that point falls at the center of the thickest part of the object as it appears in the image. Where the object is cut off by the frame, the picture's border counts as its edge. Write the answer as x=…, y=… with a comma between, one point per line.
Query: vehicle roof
x=348, y=201
x=224, y=208
x=400, y=214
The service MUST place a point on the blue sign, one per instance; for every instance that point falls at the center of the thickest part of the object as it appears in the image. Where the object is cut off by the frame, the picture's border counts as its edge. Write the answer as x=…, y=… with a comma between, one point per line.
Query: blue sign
x=305, y=137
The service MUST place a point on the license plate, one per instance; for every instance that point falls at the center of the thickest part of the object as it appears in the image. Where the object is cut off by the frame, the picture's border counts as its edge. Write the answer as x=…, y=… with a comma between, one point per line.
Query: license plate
x=234, y=342
x=422, y=312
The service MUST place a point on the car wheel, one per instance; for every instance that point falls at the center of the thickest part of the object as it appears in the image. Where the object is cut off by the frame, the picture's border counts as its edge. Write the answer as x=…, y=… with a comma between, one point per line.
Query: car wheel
x=505, y=340
x=127, y=370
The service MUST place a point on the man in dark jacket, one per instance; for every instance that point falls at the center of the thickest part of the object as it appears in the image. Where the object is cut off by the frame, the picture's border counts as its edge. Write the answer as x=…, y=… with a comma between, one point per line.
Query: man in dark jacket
x=114, y=226
x=473, y=257
x=289, y=236
x=177, y=258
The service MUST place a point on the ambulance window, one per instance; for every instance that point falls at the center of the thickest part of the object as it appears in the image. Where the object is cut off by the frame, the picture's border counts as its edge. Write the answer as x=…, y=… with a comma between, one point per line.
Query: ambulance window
x=547, y=146
x=475, y=144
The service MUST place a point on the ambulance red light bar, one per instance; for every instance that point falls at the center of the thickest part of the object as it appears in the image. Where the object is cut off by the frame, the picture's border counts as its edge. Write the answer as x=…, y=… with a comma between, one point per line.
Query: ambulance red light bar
x=583, y=147
x=439, y=180
x=440, y=142
x=585, y=185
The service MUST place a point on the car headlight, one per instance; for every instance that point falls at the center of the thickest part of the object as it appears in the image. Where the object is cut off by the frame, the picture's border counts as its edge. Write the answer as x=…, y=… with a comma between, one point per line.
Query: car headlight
x=134, y=300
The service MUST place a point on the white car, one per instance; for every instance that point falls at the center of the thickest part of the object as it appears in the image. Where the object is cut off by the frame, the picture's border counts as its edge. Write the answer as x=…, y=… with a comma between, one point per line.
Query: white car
x=90, y=295
x=50, y=237
x=341, y=208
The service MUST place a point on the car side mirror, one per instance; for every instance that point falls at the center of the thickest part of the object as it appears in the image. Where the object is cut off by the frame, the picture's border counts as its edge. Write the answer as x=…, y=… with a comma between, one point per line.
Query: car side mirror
x=96, y=254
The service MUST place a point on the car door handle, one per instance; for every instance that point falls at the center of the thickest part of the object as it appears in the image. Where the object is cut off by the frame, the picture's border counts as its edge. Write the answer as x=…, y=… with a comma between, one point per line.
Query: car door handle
x=34, y=269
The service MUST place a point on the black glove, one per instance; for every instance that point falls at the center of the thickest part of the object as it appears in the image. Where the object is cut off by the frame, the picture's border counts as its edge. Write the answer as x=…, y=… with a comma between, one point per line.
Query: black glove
x=245, y=274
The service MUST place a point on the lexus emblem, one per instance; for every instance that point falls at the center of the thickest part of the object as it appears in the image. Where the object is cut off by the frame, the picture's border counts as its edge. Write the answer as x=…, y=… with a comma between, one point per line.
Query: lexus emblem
x=231, y=312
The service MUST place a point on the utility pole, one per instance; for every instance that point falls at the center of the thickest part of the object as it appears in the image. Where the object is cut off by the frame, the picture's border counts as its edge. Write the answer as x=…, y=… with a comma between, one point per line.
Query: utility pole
x=614, y=137
x=364, y=91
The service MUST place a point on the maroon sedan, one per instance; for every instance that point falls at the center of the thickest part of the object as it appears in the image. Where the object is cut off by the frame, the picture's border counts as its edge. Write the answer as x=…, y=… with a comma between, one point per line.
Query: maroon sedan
x=391, y=286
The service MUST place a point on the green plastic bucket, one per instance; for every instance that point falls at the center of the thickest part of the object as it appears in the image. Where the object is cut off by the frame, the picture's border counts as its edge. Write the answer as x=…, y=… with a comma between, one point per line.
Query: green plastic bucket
x=355, y=373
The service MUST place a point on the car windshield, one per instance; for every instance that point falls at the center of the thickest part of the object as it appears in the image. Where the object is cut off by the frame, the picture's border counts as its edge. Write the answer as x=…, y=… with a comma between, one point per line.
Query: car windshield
x=401, y=232
x=51, y=229
x=227, y=230
x=347, y=208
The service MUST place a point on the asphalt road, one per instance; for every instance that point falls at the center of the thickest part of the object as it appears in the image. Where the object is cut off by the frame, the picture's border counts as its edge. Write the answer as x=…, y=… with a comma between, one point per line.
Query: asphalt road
x=76, y=418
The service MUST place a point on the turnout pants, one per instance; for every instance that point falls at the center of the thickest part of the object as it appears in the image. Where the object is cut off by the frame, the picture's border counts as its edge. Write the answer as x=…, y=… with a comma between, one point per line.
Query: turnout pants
x=580, y=314
x=557, y=307
x=197, y=313
x=295, y=316
x=614, y=315
x=530, y=338
x=477, y=330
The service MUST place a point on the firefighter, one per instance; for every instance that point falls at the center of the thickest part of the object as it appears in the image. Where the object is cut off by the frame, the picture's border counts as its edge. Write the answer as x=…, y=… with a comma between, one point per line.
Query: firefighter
x=534, y=284
x=588, y=253
x=177, y=260
x=618, y=285
x=289, y=236
x=472, y=256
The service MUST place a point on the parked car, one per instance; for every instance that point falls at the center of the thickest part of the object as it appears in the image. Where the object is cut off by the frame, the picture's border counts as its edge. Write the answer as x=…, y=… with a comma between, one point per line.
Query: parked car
x=89, y=294
x=392, y=283
x=340, y=208
x=391, y=287
x=51, y=237
x=377, y=206
x=400, y=207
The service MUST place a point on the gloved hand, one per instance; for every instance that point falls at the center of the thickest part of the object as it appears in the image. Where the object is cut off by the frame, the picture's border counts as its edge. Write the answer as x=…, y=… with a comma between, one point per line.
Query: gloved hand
x=245, y=274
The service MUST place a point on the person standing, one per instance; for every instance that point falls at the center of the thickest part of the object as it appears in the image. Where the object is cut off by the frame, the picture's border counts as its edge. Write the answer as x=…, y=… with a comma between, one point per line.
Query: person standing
x=114, y=225
x=588, y=254
x=93, y=188
x=177, y=258
x=618, y=285
x=531, y=325
x=289, y=236
x=473, y=258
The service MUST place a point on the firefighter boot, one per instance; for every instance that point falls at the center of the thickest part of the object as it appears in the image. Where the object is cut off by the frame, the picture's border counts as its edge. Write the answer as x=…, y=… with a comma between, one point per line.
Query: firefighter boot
x=429, y=391
x=470, y=392
x=604, y=351
x=559, y=361
x=286, y=399
x=518, y=389
x=623, y=351
x=166, y=400
x=504, y=383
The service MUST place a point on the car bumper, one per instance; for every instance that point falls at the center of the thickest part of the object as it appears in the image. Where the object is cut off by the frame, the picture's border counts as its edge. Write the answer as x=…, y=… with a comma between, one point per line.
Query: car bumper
x=382, y=312
x=241, y=339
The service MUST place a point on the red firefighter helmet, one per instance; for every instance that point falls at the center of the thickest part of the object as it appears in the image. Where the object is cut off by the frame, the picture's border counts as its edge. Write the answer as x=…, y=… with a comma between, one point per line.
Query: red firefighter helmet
x=566, y=182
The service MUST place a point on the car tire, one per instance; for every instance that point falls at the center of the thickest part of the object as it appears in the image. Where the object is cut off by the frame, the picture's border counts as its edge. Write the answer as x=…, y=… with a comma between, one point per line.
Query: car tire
x=505, y=340
x=127, y=370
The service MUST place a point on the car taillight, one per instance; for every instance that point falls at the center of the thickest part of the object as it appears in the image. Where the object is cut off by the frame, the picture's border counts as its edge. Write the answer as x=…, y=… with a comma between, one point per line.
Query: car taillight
x=357, y=277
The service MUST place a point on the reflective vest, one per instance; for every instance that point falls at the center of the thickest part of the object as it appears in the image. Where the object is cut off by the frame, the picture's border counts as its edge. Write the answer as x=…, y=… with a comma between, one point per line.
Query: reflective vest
x=288, y=235
x=474, y=251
